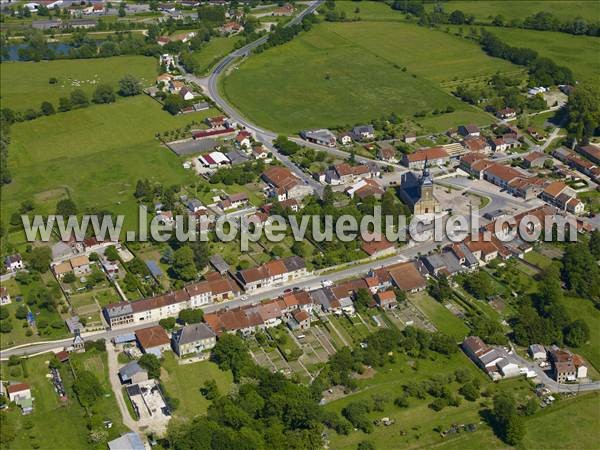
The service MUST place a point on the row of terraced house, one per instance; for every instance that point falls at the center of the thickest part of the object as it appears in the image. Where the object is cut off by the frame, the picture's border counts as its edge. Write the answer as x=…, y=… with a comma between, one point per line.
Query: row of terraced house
x=216, y=287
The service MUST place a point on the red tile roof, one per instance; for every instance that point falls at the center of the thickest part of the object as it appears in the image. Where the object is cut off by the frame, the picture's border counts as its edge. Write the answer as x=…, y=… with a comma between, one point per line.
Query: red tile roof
x=152, y=337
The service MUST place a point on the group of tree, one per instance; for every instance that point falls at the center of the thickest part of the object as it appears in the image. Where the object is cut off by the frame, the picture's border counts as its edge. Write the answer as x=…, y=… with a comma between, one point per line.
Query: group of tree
x=78, y=98
x=543, y=318
x=580, y=270
x=241, y=174
x=546, y=21
x=583, y=112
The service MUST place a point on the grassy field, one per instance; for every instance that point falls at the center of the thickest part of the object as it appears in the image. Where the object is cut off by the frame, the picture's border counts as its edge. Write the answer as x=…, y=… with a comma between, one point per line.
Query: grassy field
x=441, y=317
x=25, y=84
x=95, y=155
x=574, y=425
x=414, y=427
x=185, y=381
x=484, y=10
x=50, y=414
x=208, y=55
x=345, y=73
x=373, y=11
x=579, y=308
x=579, y=53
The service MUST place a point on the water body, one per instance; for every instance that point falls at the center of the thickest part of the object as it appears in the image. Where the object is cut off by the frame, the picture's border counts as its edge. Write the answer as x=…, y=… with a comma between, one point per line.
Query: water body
x=60, y=48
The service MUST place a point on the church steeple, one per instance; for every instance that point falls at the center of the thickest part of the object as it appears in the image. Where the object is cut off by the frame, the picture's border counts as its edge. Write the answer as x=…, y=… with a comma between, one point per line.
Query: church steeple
x=426, y=176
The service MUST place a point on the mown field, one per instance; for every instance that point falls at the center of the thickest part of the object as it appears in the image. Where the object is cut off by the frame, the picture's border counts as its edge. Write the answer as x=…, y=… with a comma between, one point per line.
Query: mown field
x=25, y=84
x=185, y=381
x=345, y=73
x=95, y=155
x=579, y=53
x=208, y=55
x=485, y=10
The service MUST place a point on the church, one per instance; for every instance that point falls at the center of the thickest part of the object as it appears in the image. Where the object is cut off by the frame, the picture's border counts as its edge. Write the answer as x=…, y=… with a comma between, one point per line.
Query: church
x=417, y=192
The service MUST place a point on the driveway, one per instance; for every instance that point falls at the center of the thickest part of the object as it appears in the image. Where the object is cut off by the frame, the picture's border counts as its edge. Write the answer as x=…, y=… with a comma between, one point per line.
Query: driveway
x=115, y=384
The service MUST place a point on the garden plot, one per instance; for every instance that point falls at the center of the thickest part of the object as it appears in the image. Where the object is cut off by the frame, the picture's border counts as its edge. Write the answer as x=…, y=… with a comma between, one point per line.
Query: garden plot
x=407, y=314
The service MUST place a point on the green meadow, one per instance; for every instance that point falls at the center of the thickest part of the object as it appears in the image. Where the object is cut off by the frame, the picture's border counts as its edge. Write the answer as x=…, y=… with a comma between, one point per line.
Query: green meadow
x=345, y=73
x=25, y=84
x=94, y=155
x=580, y=53
x=214, y=50
x=486, y=10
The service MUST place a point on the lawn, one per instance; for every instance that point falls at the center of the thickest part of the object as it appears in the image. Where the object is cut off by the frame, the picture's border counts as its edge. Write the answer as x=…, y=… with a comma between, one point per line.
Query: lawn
x=214, y=50
x=185, y=381
x=537, y=259
x=574, y=425
x=50, y=414
x=345, y=73
x=440, y=316
x=25, y=84
x=485, y=10
x=95, y=154
x=579, y=53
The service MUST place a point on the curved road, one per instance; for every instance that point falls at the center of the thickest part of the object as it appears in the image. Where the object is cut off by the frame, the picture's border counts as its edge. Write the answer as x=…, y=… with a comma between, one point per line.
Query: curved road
x=262, y=135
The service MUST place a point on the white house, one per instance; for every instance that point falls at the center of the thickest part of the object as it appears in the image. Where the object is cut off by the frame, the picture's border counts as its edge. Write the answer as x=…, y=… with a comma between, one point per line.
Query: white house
x=4, y=296
x=14, y=263
x=537, y=352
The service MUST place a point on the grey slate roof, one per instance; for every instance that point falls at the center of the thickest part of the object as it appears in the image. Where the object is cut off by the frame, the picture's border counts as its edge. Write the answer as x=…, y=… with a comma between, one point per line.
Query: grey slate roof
x=193, y=333
x=218, y=263
x=129, y=370
x=293, y=263
x=128, y=441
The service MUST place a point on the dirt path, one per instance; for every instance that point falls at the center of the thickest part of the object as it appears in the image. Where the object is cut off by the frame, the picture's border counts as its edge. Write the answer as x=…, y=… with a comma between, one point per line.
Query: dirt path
x=115, y=383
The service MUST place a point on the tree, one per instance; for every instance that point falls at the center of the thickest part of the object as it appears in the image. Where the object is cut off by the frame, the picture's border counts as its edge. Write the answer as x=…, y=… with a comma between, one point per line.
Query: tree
x=595, y=244
x=129, y=85
x=21, y=312
x=188, y=316
x=66, y=207
x=478, y=285
x=47, y=109
x=183, y=264
x=64, y=104
x=365, y=445
x=39, y=259
x=87, y=387
x=210, y=390
x=530, y=408
x=469, y=391
x=173, y=103
x=122, y=12
x=577, y=333
x=69, y=277
x=514, y=431
x=231, y=353
x=168, y=323
x=363, y=299
x=79, y=98
x=151, y=363
x=104, y=93
x=4, y=313
x=111, y=253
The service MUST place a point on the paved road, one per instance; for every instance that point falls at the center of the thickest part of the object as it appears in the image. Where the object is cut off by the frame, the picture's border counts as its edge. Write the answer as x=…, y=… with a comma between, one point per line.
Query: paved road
x=550, y=383
x=309, y=282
